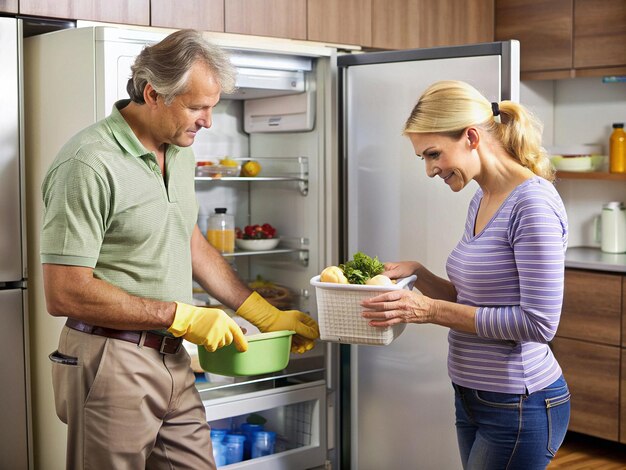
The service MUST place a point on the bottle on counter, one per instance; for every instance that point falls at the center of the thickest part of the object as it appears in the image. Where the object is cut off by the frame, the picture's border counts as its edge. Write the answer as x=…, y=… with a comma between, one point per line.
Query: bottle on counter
x=617, y=149
x=221, y=231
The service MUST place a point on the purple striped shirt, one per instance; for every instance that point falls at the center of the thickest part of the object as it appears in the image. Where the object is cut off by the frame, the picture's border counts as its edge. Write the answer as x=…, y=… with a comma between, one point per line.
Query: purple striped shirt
x=513, y=271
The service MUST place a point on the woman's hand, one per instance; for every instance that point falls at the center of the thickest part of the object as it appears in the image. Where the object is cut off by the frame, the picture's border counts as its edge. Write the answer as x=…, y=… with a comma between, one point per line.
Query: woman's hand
x=398, y=270
x=402, y=306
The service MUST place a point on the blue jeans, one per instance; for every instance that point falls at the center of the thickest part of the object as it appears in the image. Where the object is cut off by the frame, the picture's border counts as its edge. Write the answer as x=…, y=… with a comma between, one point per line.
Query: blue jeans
x=504, y=431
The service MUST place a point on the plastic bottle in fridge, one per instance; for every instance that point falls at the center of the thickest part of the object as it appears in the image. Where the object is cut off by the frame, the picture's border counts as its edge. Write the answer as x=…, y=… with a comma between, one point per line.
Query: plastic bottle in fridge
x=221, y=231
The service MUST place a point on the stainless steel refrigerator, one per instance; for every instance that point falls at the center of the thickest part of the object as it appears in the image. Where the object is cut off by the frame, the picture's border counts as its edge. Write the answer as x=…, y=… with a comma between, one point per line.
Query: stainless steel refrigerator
x=345, y=179
x=14, y=408
x=401, y=399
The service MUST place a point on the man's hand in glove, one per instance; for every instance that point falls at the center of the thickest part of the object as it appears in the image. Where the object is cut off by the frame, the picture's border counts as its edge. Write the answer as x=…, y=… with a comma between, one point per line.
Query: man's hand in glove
x=208, y=327
x=266, y=317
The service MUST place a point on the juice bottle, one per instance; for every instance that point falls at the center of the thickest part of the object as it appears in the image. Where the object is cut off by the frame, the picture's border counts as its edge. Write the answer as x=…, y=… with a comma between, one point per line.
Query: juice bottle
x=617, y=149
x=221, y=231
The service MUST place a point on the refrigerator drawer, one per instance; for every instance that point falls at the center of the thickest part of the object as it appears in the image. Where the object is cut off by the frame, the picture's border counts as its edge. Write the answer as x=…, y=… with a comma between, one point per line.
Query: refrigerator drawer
x=296, y=413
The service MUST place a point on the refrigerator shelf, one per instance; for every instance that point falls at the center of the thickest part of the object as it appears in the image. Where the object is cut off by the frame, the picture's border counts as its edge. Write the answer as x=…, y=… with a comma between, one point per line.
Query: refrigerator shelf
x=303, y=183
x=298, y=371
x=297, y=245
x=274, y=251
x=276, y=169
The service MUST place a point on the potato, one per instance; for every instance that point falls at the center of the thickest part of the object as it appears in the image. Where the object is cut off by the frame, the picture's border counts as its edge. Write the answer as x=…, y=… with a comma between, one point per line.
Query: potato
x=333, y=274
x=379, y=280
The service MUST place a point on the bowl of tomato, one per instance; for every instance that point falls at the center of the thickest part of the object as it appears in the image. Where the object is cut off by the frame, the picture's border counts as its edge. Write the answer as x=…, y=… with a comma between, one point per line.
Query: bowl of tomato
x=256, y=237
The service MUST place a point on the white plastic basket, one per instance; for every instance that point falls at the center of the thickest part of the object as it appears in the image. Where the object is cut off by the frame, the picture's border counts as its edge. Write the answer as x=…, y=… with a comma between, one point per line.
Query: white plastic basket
x=339, y=312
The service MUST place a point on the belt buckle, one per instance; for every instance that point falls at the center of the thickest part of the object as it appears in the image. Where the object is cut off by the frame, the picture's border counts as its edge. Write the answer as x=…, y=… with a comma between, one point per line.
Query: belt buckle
x=164, y=342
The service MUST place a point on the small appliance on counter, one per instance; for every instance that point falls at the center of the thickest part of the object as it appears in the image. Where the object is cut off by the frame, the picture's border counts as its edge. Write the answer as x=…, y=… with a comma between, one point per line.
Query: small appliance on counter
x=613, y=228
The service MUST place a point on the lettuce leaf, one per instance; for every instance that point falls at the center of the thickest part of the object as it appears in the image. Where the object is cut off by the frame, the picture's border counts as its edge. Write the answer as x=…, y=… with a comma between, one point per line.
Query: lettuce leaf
x=361, y=268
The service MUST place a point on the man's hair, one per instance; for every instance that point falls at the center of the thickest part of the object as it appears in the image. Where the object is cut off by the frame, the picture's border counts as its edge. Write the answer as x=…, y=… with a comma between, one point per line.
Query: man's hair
x=167, y=64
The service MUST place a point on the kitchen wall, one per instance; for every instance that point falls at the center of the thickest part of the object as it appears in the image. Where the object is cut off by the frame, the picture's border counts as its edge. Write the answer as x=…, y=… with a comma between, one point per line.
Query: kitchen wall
x=574, y=112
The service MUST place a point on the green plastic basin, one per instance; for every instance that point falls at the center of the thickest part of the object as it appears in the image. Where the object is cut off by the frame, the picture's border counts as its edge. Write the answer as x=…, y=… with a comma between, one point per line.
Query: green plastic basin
x=267, y=352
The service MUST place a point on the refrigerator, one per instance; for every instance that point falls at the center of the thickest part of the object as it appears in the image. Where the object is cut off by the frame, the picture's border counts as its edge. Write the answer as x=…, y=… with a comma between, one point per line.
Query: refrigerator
x=14, y=398
x=337, y=176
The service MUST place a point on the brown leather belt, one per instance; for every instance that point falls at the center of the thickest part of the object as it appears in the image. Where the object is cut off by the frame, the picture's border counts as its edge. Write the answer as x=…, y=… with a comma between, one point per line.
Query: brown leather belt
x=163, y=344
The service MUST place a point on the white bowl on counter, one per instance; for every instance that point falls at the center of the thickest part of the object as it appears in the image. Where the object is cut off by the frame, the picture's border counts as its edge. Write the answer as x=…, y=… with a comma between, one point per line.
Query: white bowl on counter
x=261, y=244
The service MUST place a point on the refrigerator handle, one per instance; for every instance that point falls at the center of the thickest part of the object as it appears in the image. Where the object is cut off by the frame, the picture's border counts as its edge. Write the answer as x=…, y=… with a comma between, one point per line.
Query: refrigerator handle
x=330, y=368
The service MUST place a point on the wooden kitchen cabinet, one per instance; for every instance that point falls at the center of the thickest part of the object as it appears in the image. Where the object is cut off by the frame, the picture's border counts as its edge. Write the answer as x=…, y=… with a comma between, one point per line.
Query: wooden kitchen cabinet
x=622, y=419
x=544, y=29
x=8, y=6
x=592, y=307
x=110, y=11
x=565, y=38
x=340, y=21
x=589, y=347
x=402, y=24
x=592, y=372
x=599, y=33
x=204, y=15
x=278, y=18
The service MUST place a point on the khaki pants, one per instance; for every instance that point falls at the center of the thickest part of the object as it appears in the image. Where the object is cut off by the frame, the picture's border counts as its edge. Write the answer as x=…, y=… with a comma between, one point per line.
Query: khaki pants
x=128, y=407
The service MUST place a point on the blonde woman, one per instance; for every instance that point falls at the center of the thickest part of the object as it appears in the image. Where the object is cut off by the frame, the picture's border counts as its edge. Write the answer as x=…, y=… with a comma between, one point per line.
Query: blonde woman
x=502, y=302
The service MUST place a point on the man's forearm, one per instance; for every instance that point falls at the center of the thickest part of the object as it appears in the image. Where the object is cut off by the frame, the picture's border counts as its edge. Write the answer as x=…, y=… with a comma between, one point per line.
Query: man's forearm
x=73, y=292
x=215, y=274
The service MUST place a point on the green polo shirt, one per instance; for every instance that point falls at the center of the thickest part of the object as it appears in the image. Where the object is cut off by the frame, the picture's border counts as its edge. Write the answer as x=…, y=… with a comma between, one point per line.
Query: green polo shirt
x=108, y=207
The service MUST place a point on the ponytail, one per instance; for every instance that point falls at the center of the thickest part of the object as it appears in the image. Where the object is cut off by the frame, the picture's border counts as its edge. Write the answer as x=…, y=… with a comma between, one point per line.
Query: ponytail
x=520, y=134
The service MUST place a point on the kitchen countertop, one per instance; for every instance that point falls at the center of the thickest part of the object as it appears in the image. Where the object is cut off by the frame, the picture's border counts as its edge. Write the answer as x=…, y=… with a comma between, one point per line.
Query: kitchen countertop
x=584, y=257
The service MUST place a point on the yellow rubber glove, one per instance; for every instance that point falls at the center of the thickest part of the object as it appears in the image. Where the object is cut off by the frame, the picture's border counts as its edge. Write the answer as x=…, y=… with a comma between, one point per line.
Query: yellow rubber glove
x=266, y=317
x=208, y=327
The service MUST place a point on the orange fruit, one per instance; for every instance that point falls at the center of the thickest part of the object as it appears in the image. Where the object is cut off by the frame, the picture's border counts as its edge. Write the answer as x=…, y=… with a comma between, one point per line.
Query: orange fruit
x=250, y=168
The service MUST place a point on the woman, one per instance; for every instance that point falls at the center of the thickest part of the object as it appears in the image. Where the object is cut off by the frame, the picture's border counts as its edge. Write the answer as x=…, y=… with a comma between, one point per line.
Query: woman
x=503, y=300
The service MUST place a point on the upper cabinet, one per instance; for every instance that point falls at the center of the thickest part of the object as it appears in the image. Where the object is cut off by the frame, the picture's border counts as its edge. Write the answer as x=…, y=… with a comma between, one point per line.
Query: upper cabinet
x=599, y=33
x=407, y=24
x=565, y=38
x=544, y=29
x=340, y=21
x=205, y=15
x=110, y=11
x=8, y=6
x=278, y=18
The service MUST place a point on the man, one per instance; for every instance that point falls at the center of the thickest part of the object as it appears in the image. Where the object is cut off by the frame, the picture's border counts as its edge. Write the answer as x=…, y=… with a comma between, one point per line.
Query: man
x=119, y=248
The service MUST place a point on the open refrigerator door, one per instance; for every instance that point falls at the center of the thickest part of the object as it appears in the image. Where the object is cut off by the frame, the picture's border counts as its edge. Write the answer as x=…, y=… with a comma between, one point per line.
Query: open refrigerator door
x=279, y=117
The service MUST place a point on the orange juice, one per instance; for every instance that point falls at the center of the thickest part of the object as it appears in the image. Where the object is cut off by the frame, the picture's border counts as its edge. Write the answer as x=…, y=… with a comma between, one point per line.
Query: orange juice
x=222, y=240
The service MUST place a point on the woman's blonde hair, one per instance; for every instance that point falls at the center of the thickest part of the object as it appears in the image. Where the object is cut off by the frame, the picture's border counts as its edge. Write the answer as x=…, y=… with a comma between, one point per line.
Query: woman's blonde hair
x=449, y=107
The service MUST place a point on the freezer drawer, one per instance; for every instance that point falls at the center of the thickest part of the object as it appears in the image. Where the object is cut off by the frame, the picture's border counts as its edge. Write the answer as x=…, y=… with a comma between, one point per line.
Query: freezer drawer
x=13, y=393
x=297, y=413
